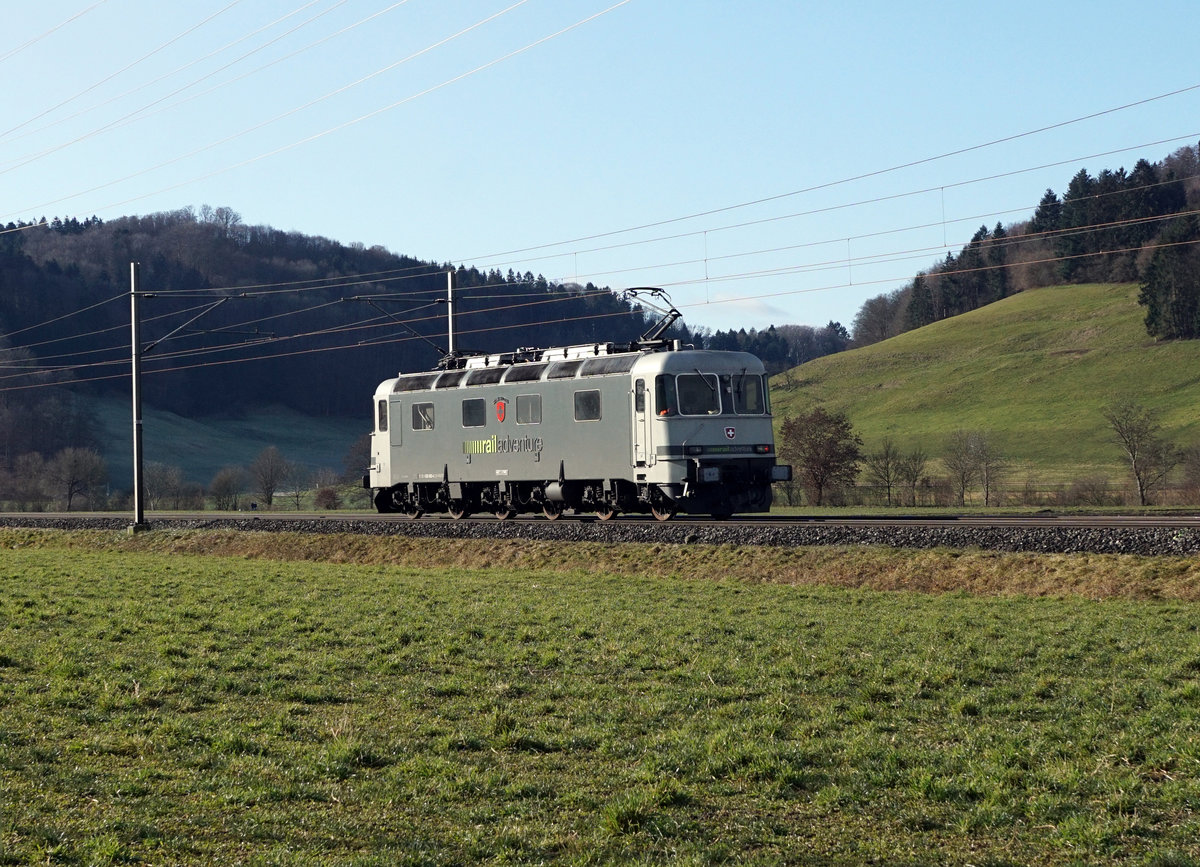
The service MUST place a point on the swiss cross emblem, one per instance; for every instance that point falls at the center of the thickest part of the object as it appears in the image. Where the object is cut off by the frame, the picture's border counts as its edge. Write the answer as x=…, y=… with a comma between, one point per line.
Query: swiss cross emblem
x=501, y=409
x=730, y=433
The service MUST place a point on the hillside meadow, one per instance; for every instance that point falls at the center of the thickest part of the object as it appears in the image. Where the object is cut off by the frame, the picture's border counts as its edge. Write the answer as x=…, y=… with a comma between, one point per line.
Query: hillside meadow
x=202, y=698
x=1033, y=370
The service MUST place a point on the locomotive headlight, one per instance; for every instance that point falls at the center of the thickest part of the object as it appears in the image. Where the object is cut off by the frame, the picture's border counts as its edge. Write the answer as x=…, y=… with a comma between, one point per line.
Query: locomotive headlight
x=762, y=450
x=695, y=450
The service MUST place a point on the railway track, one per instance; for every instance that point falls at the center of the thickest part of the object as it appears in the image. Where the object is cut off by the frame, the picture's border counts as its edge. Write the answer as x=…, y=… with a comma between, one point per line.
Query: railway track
x=1158, y=534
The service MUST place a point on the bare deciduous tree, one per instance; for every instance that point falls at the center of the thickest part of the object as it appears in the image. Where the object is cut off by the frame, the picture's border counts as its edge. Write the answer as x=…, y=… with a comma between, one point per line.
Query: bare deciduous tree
x=75, y=473
x=883, y=467
x=909, y=471
x=1135, y=428
x=992, y=465
x=27, y=483
x=164, y=485
x=1190, y=458
x=961, y=463
x=971, y=458
x=298, y=482
x=269, y=470
x=226, y=487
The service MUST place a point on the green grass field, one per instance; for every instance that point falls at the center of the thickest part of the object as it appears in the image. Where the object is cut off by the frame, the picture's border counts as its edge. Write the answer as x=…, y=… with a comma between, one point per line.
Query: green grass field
x=1035, y=370
x=201, y=447
x=160, y=705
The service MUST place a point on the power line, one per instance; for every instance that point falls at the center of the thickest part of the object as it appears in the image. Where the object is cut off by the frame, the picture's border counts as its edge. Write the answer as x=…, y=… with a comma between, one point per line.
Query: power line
x=123, y=69
x=847, y=180
x=378, y=321
x=27, y=43
x=319, y=135
x=144, y=111
x=890, y=257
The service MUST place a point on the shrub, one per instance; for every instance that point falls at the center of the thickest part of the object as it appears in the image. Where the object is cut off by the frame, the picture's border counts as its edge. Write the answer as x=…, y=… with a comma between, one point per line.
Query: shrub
x=327, y=498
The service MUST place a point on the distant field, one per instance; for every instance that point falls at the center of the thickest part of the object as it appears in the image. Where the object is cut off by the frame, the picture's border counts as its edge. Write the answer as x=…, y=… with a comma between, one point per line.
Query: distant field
x=201, y=447
x=157, y=706
x=1034, y=369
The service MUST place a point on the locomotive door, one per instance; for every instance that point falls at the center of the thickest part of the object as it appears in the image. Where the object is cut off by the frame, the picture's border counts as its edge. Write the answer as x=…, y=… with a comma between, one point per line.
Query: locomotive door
x=396, y=425
x=395, y=438
x=641, y=424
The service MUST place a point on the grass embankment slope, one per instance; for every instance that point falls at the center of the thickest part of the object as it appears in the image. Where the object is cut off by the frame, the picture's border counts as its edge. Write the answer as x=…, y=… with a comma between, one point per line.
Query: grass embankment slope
x=163, y=704
x=1033, y=370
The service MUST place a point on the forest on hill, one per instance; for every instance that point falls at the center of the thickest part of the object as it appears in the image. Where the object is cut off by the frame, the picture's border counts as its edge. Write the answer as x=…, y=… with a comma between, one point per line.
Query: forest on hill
x=1116, y=227
x=238, y=316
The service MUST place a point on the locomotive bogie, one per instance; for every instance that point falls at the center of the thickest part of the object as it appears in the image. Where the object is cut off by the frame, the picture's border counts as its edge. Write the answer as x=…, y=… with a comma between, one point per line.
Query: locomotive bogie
x=656, y=432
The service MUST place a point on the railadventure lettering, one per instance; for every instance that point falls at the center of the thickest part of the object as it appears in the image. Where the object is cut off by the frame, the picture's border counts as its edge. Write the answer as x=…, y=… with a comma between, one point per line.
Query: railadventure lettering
x=498, y=445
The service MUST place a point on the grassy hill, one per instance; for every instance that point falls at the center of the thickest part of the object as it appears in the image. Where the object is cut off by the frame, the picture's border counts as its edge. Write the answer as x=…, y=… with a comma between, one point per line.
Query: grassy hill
x=1033, y=370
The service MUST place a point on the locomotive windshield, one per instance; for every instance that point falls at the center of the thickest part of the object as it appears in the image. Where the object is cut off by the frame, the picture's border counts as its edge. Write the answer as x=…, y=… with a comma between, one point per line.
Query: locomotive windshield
x=745, y=392
x=698, y=394
x=709, y=394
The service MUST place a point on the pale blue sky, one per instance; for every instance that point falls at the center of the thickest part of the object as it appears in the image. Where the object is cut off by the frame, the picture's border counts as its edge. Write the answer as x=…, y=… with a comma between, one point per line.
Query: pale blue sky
x=636, y=120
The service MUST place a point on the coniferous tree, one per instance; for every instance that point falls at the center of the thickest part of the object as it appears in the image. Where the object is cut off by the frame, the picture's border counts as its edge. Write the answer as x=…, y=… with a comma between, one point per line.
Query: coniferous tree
x=1171, y=289
x=996, y=261
x=1078, y=206
x=1048, y=216
x=920, y=311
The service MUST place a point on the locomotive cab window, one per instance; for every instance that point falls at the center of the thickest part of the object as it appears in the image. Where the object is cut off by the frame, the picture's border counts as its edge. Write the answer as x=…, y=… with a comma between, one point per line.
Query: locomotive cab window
x=665, y=402
x=587, y=405
x=699, y=394
x=474, y=412
x=383, y=416
x=422, y=416
x=746, y=391
x=529, y=409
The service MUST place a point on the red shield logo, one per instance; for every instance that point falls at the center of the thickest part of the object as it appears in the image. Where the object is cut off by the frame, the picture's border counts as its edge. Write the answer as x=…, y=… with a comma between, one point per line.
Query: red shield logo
x=730, y=433
x=501, y=410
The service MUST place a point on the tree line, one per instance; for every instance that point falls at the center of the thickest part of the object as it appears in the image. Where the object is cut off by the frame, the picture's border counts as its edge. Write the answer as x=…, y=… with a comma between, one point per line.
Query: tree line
x=829, y=463
x=1115, y=227
x=76, y=479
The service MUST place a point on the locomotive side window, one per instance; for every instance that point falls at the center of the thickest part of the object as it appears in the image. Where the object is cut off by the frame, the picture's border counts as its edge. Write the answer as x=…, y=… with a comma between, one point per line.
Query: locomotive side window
x=422, y=416
x=747, y=392
x=698, y=394
x=474, y=412
x=529, y=409
x=587, y=405
x=382, y=424
x=665, y=401
x=639, y=396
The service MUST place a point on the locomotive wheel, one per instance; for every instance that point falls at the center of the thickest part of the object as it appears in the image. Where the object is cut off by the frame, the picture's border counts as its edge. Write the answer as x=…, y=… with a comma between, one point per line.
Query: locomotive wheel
x=552, y=511
x=413, y=512
x=457, y=510
x=505, y=514
x=663, y=511
x=605, y=512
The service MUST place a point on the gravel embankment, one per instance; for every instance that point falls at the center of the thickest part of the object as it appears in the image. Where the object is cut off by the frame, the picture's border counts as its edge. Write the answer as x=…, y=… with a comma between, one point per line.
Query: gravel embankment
x=1048, y=539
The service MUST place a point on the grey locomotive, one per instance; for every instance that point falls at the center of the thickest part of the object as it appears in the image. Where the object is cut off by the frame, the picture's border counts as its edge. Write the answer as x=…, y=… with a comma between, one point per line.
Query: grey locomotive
x=647, y=426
